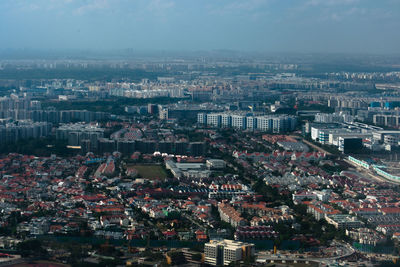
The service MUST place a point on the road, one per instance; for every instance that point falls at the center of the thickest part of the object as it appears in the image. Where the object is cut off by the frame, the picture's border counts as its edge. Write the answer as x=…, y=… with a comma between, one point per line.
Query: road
x=193, y=221
x=369, y=174
x=320, y=149
x=346, y=250
x=12, y=262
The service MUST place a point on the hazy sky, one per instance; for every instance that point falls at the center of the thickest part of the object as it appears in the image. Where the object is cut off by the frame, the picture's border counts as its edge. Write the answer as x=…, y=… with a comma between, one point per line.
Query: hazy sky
x=371, y=26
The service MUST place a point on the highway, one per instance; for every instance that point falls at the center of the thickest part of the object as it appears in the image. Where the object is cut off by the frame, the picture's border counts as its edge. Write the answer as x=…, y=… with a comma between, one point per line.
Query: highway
x=368, y=173
x=344, y=250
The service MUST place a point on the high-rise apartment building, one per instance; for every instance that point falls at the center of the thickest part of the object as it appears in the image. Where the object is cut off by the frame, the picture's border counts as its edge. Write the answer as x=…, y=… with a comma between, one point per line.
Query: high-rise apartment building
x=266, y=123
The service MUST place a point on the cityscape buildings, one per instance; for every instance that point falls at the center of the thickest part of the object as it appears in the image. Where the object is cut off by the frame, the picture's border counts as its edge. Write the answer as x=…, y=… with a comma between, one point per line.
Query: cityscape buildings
x=199, y=160
x=274, y=123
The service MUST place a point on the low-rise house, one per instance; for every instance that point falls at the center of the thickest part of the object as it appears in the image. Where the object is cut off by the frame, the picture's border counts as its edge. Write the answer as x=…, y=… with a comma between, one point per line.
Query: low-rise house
x=344, y=221
x=366, y=236
x=320, y=210
x=230, y=215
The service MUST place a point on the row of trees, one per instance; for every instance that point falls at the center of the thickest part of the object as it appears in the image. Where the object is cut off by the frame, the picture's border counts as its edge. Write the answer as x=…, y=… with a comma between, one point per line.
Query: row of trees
x=38, y=147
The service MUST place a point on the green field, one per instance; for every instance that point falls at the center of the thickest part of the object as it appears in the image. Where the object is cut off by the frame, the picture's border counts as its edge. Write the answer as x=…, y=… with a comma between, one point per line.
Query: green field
x=150, y=171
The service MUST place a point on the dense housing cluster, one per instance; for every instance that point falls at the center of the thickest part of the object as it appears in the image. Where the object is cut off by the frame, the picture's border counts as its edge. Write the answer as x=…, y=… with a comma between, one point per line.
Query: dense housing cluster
x=202, y=162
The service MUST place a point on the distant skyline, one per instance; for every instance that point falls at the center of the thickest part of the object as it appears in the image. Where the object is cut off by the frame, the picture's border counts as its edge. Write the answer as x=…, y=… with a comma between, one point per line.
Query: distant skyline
x=299, y=26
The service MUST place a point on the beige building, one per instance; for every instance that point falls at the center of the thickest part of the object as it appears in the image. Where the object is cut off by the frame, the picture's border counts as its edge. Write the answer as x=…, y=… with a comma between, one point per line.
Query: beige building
x=224, y=252
x=344, y=221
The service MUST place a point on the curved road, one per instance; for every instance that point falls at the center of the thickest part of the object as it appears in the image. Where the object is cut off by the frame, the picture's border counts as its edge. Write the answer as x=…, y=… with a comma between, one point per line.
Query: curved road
x=347, y=249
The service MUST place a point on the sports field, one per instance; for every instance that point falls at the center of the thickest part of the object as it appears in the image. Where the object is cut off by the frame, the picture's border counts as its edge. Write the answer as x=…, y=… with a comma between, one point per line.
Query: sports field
x=150, y=171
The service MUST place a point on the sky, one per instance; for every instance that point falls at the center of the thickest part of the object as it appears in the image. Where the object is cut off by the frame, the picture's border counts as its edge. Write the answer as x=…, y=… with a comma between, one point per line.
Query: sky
x=321, y=26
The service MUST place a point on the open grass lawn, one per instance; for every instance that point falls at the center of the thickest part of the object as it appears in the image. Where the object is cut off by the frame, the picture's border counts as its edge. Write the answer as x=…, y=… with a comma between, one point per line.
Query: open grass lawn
x=150, y=171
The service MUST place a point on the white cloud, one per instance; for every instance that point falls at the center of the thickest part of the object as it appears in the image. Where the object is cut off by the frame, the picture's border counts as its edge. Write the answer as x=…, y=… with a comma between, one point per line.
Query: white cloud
x=160, y=5
x=91, y=6
x=238, y=6
x=330, y=2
